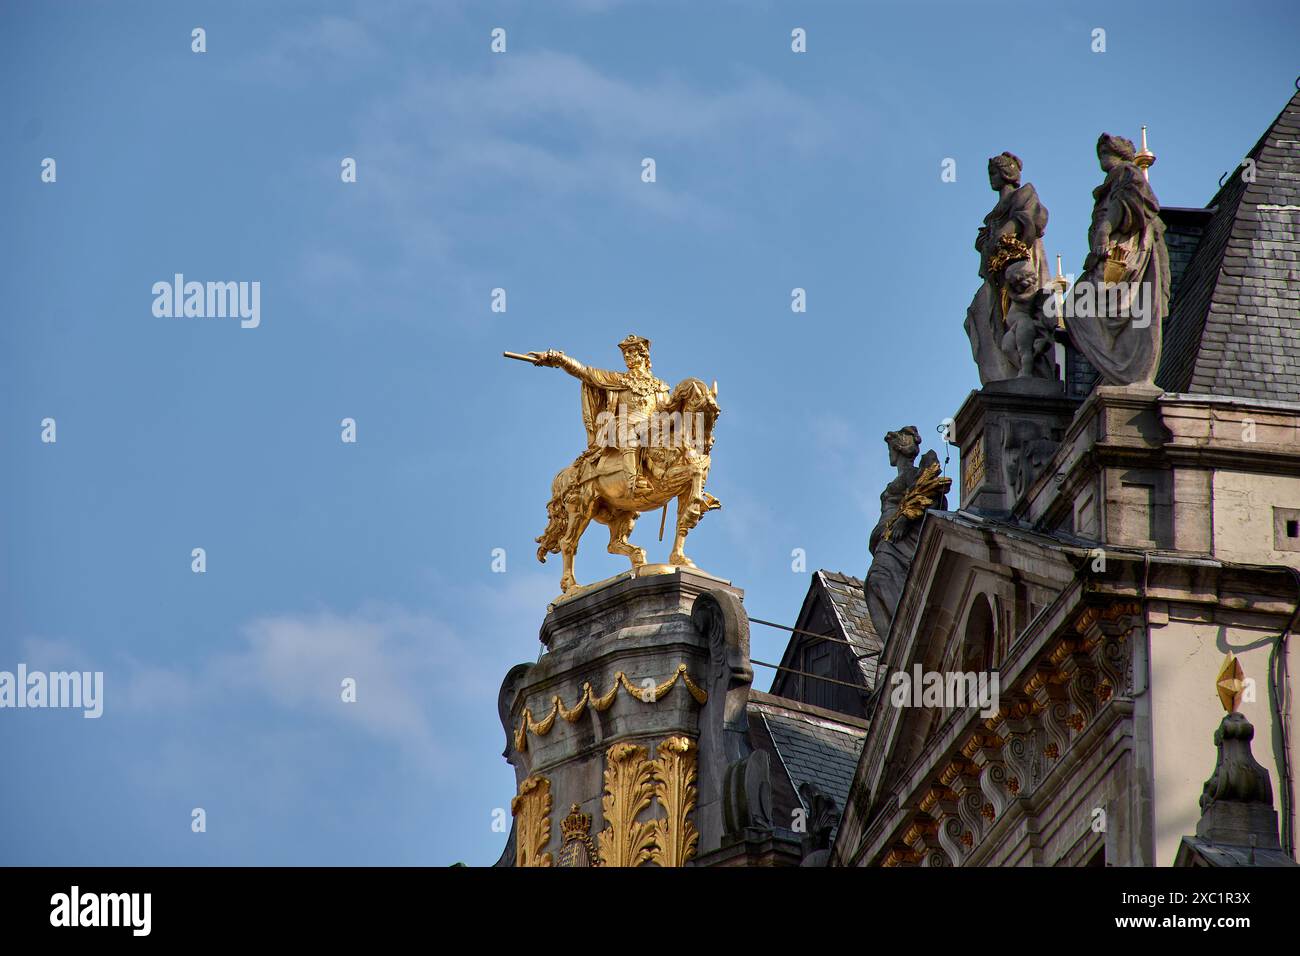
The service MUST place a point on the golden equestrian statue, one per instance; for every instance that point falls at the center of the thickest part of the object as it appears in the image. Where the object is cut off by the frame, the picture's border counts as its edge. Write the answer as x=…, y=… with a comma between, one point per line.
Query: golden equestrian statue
x=645, y=446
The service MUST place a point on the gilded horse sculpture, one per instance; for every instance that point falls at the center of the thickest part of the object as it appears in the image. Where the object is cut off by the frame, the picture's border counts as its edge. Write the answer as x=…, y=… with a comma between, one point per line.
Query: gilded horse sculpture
x=645, y=446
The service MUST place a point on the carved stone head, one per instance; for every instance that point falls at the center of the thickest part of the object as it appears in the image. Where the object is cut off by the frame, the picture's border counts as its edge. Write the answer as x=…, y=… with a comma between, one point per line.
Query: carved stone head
x=1113, y=150
x=1004, y=169
x=904, y=444
x=1021, y=278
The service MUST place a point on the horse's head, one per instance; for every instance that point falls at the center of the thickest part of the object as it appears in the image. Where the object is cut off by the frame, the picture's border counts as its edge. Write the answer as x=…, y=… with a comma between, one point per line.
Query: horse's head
x=692, y=397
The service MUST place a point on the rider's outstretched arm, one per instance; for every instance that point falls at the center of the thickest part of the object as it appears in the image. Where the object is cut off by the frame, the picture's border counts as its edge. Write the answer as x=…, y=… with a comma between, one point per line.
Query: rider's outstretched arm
x=592, y=376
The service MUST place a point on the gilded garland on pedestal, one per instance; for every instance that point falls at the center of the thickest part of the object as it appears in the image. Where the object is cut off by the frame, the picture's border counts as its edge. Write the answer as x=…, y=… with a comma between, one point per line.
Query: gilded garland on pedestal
x=650, y=695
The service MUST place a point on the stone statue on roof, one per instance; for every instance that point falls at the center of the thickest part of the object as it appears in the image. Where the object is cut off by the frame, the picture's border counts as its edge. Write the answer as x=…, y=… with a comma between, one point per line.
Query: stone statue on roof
x=1010, y=335
x=894, y=539
x=1116, y=309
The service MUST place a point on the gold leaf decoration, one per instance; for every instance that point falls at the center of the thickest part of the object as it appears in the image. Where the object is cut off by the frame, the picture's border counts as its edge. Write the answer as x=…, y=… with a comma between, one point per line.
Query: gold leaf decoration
x=676, y=837
x=531, y=810
x=927, y=488
x=576, y=846
x=648, y=695
x=628, y=791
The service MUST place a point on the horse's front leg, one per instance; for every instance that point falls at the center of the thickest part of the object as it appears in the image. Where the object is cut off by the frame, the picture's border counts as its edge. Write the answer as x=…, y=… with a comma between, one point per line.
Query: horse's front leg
x=689, y=510
x=678, y=556
x=578, y=521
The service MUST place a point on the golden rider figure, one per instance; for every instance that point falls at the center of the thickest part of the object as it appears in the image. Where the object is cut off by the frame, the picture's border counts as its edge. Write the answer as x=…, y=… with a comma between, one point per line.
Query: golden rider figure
x=617, y=407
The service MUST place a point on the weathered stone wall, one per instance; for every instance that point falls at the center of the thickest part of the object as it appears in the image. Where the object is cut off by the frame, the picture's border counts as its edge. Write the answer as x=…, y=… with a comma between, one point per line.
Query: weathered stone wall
x=1246, y=518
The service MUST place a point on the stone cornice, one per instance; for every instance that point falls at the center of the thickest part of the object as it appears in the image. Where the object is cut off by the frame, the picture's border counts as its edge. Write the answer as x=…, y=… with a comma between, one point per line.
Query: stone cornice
x=1191, y=433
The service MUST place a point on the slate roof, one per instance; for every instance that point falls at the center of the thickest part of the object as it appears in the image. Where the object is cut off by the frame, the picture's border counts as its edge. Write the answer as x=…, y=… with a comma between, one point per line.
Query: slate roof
x=835, y=606
x=1234, y=322
x=850, y=606
x=812, y=744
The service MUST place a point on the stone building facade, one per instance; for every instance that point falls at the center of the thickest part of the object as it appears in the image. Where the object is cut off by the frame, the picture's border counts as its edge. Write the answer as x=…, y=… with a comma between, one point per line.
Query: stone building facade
x=1101, y=571
x=1161, y=533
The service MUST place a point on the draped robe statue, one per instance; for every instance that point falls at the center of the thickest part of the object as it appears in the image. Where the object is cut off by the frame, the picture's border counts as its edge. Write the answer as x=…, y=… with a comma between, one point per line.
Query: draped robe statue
x=1018, y=215
x=894, y=539
x=1116, y=309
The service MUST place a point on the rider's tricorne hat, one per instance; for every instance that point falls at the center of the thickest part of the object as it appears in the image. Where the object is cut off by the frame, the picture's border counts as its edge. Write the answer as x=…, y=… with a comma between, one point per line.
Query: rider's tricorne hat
x=632, y=341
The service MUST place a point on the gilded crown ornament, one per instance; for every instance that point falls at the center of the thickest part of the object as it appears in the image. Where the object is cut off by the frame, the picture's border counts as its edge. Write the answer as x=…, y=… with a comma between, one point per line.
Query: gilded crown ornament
x=577, y=849
x=576, y=824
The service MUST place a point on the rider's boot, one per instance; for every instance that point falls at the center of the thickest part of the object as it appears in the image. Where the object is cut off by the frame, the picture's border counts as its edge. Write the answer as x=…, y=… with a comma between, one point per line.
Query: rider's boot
x=636, y=484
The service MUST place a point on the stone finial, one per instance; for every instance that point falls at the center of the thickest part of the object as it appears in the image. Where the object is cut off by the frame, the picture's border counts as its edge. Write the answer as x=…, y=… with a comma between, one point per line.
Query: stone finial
x=1237, y=800
x=823, y=814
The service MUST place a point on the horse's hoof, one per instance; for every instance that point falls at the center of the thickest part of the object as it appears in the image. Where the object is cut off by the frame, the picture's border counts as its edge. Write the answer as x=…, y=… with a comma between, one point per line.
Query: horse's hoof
x=681, y=561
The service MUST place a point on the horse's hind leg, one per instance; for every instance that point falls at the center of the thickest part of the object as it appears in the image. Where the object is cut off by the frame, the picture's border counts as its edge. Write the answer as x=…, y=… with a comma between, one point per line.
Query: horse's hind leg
x=620, y=529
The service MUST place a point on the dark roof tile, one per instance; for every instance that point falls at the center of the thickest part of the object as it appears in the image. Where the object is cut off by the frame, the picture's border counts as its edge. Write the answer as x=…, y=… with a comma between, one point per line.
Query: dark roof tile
x=1234, y=322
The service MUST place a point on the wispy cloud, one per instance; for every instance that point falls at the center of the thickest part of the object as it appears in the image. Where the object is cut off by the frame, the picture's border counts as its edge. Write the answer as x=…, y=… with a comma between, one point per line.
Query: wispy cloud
x=454, y=160
x=559, y=126
x=411, y=666
x=295, y=55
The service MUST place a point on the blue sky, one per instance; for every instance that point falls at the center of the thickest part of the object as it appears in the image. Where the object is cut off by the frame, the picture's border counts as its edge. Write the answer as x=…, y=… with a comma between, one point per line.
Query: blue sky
x=477, y=171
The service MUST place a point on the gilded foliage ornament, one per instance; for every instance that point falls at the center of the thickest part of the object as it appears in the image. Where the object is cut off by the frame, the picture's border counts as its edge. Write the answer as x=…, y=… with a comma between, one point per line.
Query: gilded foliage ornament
x=676, y=837
x=531, y=810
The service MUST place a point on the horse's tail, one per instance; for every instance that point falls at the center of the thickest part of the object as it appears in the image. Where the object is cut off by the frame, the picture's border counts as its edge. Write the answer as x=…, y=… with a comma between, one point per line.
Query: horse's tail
x=557, y=514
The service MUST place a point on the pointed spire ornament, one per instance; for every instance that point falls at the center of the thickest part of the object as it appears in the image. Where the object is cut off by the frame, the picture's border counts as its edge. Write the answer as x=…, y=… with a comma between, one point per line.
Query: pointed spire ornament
x=1145, y=159
x=1231, y=683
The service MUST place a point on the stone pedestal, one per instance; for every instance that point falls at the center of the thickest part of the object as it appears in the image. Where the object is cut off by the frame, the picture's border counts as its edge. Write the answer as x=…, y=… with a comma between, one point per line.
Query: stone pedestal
x=632, y=716
x=1008, y=432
